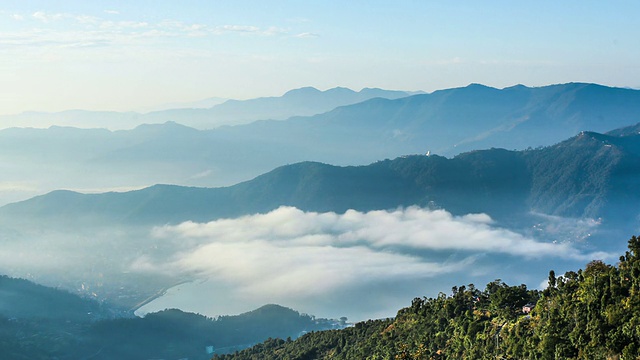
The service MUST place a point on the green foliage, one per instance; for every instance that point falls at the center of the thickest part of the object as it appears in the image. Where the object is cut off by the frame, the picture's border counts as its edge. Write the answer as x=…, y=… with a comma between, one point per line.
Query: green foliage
x=38, y=322
x=590, y=314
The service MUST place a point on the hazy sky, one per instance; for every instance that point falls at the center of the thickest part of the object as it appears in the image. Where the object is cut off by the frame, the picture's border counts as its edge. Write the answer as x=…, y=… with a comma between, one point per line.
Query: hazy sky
x=128, y=55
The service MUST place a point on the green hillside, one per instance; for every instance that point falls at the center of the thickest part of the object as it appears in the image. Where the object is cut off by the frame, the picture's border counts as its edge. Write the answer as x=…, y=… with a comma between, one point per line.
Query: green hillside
x=177, y=334
x=589, y=314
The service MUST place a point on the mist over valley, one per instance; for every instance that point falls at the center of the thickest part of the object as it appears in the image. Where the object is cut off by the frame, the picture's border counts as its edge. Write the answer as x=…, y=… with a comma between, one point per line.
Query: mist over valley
x=252, y=180
x=353, y=240
x=266, y=240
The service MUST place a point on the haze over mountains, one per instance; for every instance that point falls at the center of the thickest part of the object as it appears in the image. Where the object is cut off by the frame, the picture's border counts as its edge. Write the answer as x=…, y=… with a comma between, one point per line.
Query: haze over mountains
x=585, y=176
x=555, y=205
x=379, y=197
x=209, y=113
x=183, y=179
x=445, y=122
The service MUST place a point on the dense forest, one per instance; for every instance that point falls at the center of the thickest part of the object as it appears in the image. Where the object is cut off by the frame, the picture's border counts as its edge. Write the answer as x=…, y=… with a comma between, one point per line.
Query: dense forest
x=39, y=322
x=589, y=314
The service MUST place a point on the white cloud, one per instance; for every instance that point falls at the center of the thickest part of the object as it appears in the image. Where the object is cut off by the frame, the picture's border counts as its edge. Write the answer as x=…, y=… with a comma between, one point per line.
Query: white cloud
x=18, y=186
x=274, y=30
x=307, y=35
x=413, y=227
x=47, y=17
x=81, y=30
x=307, y=269
x=543, y=284
x=359, y=264
x=144, y=264
x=562, y=229
x=291, y=253
x=123, y=25
x=248, y=29
x=202, y=174
x=87, y=31
x=238, y=28
x=86, y=19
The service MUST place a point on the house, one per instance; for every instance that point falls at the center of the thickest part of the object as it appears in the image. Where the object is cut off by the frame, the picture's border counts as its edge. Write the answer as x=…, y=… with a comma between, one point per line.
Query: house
x=528, y=307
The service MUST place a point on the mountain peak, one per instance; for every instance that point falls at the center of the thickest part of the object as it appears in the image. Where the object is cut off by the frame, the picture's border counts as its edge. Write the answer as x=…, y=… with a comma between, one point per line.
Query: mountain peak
x=516, y=87
x=169, y=126
x=478, y=86
x=303, y=91
x=272, y=308
x=339, y=90
x=390, y=94
x=626, y=131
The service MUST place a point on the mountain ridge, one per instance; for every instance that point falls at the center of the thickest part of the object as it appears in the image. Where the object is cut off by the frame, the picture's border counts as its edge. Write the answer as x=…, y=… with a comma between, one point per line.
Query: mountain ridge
x=304, y=101
x=446, y=122
x=549, y=180
x=60, y=324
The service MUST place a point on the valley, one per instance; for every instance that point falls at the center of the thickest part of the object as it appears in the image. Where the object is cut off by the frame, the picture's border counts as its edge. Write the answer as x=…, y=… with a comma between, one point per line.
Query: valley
x=407, y=180
x=368, y=222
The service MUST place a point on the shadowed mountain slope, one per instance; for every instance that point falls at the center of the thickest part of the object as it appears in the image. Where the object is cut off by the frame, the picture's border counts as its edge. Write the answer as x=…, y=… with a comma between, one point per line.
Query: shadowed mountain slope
x=589, y=175
x=43, y=322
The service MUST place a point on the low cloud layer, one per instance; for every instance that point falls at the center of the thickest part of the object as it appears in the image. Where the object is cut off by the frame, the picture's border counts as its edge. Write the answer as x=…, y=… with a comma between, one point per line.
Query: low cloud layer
x=291, y=256
x=413, y=228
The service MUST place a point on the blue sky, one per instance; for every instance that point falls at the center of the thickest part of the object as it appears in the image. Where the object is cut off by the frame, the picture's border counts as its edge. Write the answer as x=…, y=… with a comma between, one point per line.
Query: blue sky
x=129, y=55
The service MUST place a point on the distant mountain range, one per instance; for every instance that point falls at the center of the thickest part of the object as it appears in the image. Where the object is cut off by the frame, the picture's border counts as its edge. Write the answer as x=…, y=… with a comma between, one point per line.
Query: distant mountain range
x=198, y=104
x=209, y=113
x=299, y=102
x=590, y=175
x=445, y=122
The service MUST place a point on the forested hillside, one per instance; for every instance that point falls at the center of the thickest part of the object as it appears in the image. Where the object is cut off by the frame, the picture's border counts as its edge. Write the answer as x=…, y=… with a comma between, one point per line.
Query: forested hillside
x=39, y=322
x=589, y=314
x=175, y=334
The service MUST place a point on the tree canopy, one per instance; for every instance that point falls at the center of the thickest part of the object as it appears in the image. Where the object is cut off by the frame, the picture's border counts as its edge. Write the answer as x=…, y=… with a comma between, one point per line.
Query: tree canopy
x=589, y=314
